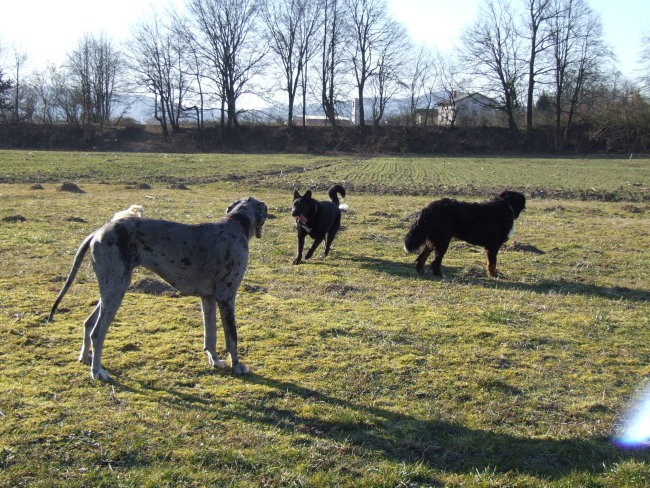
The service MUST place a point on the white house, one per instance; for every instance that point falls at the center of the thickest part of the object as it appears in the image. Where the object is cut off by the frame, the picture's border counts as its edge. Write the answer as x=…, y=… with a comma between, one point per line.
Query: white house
x=468, y=109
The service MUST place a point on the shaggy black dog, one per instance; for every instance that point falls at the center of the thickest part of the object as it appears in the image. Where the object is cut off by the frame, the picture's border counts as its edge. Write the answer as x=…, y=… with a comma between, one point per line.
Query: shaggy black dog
x=486, y=224
x=321, y=220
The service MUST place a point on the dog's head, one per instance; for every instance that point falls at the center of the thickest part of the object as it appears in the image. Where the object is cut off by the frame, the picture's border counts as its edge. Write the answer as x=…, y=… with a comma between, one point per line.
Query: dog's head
x=304, y=207
x=516, y=201
x=250, y=213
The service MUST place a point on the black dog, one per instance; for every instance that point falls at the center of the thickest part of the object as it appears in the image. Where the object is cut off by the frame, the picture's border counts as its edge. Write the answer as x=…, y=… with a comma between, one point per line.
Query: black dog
x=487, y=224
x=321, y=220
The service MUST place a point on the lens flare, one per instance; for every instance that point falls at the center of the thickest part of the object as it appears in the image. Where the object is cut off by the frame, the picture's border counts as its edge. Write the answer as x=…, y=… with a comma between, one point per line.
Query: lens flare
x=635, y=431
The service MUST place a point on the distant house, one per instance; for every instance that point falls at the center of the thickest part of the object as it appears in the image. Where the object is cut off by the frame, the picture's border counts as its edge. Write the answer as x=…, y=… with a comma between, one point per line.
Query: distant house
x=468, y=109
x=320, y=121
x=426, y=116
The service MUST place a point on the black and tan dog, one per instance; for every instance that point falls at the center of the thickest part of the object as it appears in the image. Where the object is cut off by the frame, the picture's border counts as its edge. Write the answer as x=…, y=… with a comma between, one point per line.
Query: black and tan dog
x=320, y=220
x=486, y=224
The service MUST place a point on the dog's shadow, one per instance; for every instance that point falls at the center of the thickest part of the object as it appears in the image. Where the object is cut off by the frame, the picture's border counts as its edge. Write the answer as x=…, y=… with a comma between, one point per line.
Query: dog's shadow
x=400, y=437
x=478, y=277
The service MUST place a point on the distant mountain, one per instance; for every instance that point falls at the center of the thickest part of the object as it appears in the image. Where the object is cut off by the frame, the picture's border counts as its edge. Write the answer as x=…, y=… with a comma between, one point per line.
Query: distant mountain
x=141, y=109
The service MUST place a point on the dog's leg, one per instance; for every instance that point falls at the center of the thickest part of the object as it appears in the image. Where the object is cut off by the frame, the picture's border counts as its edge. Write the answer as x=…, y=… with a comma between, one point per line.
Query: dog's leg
x=107, y=310
x=492, y=262
x=440, y=248
x=313, y=247
x=329, y=239
x=85, y=357
x=209, y=308
x=113, y=276
x=422, y=257
x=301, y=245
x=227, y=310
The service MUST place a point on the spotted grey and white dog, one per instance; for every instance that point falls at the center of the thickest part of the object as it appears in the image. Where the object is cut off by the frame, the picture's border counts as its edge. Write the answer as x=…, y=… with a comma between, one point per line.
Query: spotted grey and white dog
x=204, y=260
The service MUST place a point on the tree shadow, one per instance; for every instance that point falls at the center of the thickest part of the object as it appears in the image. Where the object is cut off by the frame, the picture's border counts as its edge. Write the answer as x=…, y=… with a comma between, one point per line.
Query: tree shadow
x=477, y=277
x=405, y=438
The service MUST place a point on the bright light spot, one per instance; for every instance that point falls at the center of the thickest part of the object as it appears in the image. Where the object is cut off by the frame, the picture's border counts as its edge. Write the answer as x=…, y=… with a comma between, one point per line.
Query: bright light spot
x=635, y=431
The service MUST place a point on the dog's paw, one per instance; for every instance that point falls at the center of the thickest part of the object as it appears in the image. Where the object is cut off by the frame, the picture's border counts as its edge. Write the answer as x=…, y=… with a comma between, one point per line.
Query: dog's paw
x=297, y=261
x=101, y=374
x=240, y=369
x=86, y=358
x=215, y=362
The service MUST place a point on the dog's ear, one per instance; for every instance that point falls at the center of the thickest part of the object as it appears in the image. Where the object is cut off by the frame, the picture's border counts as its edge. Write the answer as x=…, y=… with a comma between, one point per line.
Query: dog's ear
x=307, y=194
x=233, y=205
x=296, y=195
x=261, y=213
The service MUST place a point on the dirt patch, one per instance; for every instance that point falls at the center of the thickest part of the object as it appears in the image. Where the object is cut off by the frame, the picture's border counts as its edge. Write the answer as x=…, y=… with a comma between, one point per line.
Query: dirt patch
x=473, y=273
x=151, y=286
x=634, y=209
x=71, y=187
x=178, y=186
x=529, y=248
x=14, y=219
x=254, y=289
x=76, y=219
x=139, y=186
x=410, y=217
x=556, y=208
x=341, y=290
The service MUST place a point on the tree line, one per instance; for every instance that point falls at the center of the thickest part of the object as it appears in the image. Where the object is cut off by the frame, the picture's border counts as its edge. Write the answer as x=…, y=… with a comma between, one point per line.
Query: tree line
x=536, y=62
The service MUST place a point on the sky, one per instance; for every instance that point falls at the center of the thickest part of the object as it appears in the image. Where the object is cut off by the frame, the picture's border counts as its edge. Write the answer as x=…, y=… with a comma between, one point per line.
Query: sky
x=46, y=30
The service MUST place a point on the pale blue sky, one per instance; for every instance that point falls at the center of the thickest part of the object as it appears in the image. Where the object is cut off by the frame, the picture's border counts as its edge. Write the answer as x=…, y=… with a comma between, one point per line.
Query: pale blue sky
x=46, y=30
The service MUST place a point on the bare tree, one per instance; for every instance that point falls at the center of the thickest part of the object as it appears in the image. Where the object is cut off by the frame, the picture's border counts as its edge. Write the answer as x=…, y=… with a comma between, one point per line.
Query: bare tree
x=19, y=60
x=645, y=62
x=492, y=48
x=291, y=27
x=391, y=51
x=450, y=82
x=331, y=57
x=227, y=34
x=538, y=14
x=40, y=84
x=419, y=80
x=5, y=87
x=366, y=22
x=194, y=65
x=66, y=96
x=157, y=56
x=94, y=66
x=578, y=56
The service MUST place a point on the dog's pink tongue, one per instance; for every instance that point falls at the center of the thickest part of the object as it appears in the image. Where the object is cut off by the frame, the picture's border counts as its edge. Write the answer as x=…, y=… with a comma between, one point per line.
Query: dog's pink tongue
x=302, y=219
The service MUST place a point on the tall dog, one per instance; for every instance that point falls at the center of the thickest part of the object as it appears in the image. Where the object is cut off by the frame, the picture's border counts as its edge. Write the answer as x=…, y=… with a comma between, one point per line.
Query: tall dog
x=487, y=224
x=205, y=260
x=321, y=220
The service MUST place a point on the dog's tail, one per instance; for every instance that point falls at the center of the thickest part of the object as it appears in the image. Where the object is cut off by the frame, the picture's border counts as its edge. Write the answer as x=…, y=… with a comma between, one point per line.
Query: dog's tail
x=417, y=234
x=332, y=193
x=76, y=264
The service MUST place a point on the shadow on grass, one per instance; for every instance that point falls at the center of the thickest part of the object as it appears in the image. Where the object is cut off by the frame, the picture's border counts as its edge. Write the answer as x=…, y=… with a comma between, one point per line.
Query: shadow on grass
x=405, y=438
x=560, y=287
x=443, y=445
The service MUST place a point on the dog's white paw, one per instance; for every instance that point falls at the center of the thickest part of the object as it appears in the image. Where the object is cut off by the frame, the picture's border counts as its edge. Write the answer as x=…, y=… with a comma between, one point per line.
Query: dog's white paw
x=85, y=357
x=100, y=374
x=215, y=362
x=240, y=369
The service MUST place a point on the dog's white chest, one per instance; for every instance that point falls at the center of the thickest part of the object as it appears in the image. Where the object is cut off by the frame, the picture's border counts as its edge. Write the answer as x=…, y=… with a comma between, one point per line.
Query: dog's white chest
x=307, y=229
x=512, y=231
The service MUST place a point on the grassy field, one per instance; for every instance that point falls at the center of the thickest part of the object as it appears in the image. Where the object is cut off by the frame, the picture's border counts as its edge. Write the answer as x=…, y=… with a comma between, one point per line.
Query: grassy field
x=362, y=372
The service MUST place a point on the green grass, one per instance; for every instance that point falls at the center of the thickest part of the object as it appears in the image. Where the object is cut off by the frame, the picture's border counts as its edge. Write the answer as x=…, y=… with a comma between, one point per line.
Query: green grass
x=590, y=179
x=363, y=373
